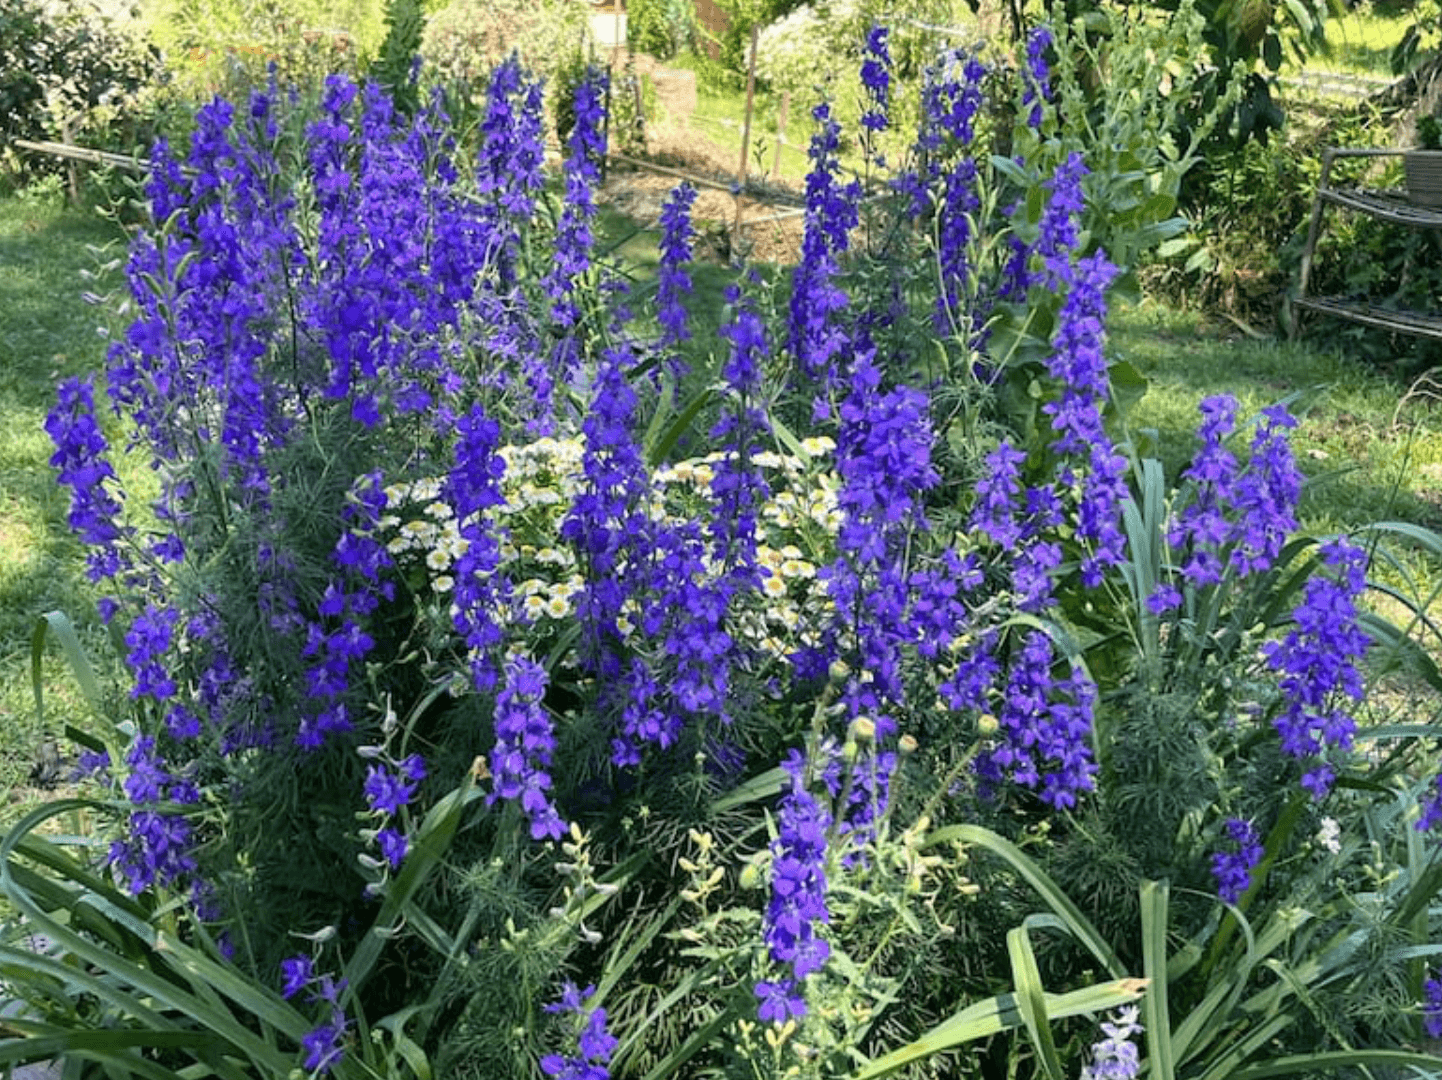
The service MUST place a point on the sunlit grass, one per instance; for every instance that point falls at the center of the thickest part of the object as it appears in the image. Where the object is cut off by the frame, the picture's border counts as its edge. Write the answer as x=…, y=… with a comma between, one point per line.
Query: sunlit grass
x=1360, y=39
x=47, y=333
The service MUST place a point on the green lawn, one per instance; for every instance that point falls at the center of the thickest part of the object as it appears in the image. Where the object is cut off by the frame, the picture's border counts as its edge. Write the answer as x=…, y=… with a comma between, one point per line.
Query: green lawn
x=47, y=333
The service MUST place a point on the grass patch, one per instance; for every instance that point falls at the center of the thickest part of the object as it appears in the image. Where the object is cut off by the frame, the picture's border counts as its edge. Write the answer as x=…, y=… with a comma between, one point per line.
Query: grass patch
x=1361, y=40
x=49, y=334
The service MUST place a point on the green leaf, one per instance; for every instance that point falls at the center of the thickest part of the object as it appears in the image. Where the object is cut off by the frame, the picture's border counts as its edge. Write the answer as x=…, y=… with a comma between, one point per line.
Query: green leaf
x=1332, y=1062
x=1156, y=1014
x=1078, y=924
x=1031, y=1000
x=59, y=624
x=1002, y=1013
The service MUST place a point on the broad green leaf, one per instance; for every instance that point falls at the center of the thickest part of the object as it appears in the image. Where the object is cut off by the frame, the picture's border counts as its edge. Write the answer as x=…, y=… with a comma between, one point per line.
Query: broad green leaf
x=1155, y=1011
x=1079, y=925
x=1031, y=1001
x=1002, y=1013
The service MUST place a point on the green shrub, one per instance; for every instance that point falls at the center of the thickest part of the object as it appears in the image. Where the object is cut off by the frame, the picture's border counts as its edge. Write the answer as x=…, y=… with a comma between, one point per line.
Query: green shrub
x=464, y=40
x=660, y=28
x=76, y=75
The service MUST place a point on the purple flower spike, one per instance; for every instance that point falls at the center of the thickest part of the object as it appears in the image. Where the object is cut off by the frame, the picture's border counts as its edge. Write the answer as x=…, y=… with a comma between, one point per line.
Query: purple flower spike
x=1233, y=869
x=594, y=1043
x=1432, y=1007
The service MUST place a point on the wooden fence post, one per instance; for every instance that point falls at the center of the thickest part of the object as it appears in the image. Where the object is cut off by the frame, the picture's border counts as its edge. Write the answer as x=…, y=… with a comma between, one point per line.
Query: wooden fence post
x=780, y=135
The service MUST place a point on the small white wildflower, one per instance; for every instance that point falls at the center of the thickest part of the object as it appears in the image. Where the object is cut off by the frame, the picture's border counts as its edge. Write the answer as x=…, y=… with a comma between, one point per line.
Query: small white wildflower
x=1330, y=835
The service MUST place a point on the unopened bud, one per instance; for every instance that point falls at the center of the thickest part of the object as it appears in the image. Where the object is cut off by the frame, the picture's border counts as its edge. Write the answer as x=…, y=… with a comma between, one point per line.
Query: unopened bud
x=987, y=724
x=907, y=744
x=863, y=729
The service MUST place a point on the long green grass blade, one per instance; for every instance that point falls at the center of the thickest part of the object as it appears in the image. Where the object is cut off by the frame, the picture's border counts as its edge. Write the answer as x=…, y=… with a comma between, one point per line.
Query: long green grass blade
x=59, y=624
x=1031, y=1001
x=1002, y=1013
x=154, y=980
x=1079, y=925
x=1226, y=1066
x=1332, y=1062
x=1155, y=1010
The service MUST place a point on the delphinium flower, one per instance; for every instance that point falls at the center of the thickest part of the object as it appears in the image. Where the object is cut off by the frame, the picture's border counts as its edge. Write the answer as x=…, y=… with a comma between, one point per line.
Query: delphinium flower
x=1116, y=1057
x=190, y=365
x=1317, y=662
x=1036, y=74
x=883, y=460
x=472, y=488
x=525, y=742
x=389, y=788
x=159, y=843
x=324, y=1045
x=1044, y=723
x=951, y=98
x=1237, y=518
x=609, y=529
x=594, y=1044
x=738, y=487
x=798, y=884
x=338, y=639
x=876, y=79
x=80, y=455
x=1079, y=363
x=1201, y=527
x=510, y=166
x=673, y=279
x=1432, y=1006
x=586, y=146
x=1059, y=229
x=1265, y=495
x=1232, y=870
x=814, y=335
x=512, y=157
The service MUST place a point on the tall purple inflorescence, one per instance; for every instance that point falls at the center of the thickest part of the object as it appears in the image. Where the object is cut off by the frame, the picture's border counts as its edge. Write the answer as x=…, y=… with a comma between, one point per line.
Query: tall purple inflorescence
x=814, y=334
x=1317, y=663
x=1237, y=518
x=876, y=80
x=472, y=488
x=524, y=745
x=594, y=1044
x=673, y=279
x=585, y=147
x=1036, y=74
x=80, y=455
x=798, y=885
x=1233, y=869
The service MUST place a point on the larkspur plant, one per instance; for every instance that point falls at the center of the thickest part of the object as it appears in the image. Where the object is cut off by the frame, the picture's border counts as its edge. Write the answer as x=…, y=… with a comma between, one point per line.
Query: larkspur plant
x=431, y=618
